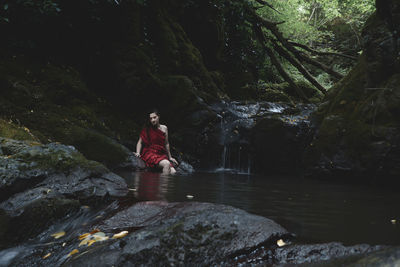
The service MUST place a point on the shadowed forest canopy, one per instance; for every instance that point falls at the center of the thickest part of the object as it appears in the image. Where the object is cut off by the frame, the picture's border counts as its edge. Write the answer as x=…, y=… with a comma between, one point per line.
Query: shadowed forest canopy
x=313, y=42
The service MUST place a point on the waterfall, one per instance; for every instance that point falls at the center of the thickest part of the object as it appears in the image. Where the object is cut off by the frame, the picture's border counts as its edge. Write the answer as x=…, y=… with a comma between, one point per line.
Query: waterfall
x=235, y=122
x=233, y=152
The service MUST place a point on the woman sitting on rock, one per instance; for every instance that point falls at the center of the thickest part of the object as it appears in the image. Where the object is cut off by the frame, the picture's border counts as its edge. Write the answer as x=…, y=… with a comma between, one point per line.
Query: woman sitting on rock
x=154, y=141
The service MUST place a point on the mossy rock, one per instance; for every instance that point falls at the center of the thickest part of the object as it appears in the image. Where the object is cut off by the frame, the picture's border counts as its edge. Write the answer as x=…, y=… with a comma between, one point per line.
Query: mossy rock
x=54, y=104
x=274, y=95
x=95, y=146
x=312, y=94
x=52, y=157
x=360, y=114
x=12, y=131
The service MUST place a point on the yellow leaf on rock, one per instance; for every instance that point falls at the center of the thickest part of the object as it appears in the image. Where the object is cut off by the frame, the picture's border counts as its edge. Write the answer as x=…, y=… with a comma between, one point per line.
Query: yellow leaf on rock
x=84, y=242
x=83, y=236
x=90, y=242
x=73, y=252
x=100, y=236
x=46, y=256
x=94, y=231
x=280, y=243
x=58, y=235
x=120, y=235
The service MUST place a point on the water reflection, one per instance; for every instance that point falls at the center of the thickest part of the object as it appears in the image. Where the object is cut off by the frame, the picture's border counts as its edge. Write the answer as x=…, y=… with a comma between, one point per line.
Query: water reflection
x=316, y=211
x=149, y=185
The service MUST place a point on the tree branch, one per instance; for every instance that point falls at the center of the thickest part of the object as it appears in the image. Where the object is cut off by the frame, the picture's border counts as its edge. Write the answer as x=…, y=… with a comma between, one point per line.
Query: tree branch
x=298, y=66
x=262, y=2
x=320, y=53
x=261, y=38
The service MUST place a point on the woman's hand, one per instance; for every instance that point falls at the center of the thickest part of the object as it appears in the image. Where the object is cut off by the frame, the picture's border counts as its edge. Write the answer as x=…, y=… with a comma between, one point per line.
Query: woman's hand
x=137, y=154
x=174, y=161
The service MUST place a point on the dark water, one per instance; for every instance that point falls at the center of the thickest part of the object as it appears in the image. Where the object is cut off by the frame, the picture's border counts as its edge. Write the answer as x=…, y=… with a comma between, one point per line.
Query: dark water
x=316, y=211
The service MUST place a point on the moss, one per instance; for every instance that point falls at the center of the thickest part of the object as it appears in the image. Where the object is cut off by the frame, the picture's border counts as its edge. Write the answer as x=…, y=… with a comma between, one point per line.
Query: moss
x=95, y=146
x=55, y=105
x=58, y=158
x=274, y=95
x=341, y=97
x=309, y=90
x=12, y=131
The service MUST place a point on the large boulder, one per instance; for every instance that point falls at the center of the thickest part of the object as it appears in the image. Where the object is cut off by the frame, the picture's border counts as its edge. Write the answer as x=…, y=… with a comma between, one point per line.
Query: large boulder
x=184, y=234
x=278, y=139
x=42, y=183
x=49, y=103
x=163, y=234
x=386, y=257
x=359, y=126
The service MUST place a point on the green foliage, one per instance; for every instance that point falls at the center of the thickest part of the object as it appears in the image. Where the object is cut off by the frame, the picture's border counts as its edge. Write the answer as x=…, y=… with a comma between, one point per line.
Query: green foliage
x=308, y=21
x=241, y=49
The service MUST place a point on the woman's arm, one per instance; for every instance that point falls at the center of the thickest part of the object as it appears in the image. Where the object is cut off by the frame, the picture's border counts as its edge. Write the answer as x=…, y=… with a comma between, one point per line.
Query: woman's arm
x=167, y=147
x=138, y=147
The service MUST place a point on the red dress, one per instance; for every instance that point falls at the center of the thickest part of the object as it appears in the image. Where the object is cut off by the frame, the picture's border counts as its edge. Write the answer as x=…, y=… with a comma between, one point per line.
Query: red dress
x=153, y=151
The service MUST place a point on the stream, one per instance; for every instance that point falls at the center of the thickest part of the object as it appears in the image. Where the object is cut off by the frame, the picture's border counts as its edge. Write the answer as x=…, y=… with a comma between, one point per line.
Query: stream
x=316, y=211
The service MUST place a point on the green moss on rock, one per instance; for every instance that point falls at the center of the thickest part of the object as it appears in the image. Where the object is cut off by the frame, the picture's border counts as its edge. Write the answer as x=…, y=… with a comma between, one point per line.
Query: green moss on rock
x=12, y=131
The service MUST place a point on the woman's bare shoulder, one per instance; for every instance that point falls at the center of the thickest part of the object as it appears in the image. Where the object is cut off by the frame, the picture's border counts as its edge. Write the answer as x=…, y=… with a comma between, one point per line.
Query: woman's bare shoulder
x=163, y=128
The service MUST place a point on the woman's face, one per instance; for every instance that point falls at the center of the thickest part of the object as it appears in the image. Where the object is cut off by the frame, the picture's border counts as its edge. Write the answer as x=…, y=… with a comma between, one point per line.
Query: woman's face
x=154, y=119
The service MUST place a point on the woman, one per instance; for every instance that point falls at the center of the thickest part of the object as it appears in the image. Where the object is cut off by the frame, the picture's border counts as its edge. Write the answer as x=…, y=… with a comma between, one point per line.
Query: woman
x=154, y=141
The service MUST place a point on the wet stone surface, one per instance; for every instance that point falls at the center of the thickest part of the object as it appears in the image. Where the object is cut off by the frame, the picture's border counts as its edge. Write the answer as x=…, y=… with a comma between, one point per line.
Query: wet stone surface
x=42, y=183
x=182, y=234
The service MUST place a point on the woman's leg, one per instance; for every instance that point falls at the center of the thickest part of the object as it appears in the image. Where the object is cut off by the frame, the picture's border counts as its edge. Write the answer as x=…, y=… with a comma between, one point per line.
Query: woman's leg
x=165, y=165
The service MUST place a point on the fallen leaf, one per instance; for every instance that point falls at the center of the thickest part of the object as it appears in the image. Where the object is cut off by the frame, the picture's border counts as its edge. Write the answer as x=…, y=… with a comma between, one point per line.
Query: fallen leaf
x=64, y=244
x=100, y=236
x=280, y=243
x=46, y=256
x=189, y=196
x=393, y=221
x=94, y=231
x=90, y=242
x=132, y=189
x=120, y=234
x=83, y=236
x=84, y=242
x=73, y=252
x=58, y=235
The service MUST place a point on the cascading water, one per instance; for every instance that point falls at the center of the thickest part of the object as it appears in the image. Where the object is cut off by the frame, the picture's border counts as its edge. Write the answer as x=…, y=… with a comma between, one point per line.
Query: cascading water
x=236, y=121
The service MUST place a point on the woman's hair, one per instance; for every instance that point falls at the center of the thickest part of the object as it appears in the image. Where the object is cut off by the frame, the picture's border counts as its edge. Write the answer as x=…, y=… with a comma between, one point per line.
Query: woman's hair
x=154, y=110
x=147, y=123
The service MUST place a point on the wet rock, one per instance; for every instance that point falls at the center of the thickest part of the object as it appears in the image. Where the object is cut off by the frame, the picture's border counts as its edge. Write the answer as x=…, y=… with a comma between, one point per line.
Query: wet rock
x=181, y=234
x=278, y=140
x=184, y=168
x=386, y=257
x=42, y=183
x=188, y=234
x=358, y=125
x=320, y=253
